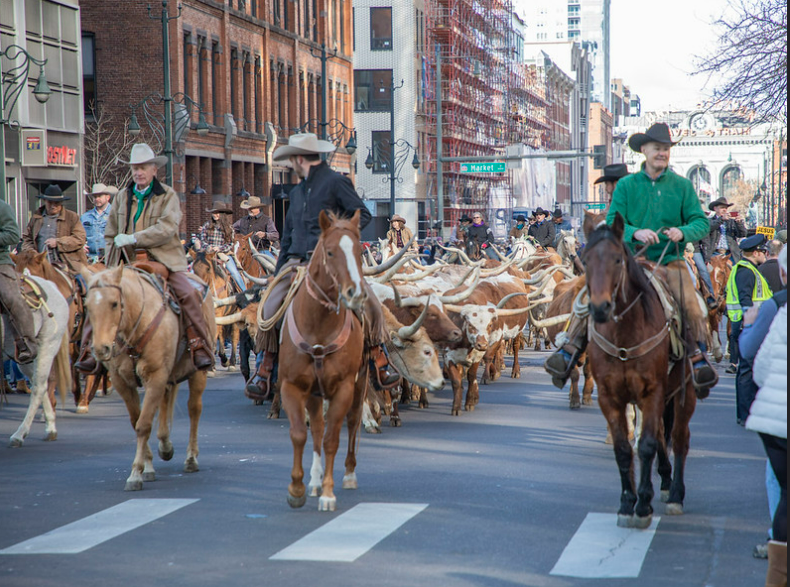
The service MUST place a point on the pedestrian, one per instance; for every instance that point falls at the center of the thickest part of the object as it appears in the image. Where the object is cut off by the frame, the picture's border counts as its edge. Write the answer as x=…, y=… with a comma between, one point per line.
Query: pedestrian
x=259, y=225
x=56, y=230
x=543, y=230
x=746, y=287
x=725, y=230
x=399, y=235
x=771, y=269
x=662, y=213
x=146, y=216
x=768, y=417
x=611, y=175
x=321, y=189
x=519, y=229
x=19, y=314
x=480, y=238
x=94, y=221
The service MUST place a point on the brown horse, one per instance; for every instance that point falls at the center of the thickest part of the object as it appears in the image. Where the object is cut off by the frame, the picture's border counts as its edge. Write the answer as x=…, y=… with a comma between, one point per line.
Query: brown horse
x=140, y=340
x=246, y=260
x=322, y=358
x=720, y=273
x=629, y=352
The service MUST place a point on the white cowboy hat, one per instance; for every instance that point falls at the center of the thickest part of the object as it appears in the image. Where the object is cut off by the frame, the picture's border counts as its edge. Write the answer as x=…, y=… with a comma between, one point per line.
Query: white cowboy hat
x=100, y=188
x=302, y=144
x=251, y=202
x=142, y=153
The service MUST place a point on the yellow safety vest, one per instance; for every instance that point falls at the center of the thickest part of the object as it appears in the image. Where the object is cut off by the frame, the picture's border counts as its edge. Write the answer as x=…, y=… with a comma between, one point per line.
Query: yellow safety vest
x=762, y=291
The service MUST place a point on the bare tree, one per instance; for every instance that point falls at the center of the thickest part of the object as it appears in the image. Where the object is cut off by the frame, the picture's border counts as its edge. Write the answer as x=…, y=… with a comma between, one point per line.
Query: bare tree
x=751, y=57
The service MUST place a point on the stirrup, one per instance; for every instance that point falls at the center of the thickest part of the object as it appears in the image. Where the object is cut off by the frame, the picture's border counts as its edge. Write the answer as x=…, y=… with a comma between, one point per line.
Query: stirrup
x=553, y=368
x=703, y=377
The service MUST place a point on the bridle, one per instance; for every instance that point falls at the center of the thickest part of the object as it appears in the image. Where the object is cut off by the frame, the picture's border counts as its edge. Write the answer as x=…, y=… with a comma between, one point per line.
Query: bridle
x=315, y=291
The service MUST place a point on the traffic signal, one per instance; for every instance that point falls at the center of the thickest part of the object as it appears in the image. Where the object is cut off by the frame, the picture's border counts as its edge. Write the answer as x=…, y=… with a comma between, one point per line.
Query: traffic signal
x=599, y=156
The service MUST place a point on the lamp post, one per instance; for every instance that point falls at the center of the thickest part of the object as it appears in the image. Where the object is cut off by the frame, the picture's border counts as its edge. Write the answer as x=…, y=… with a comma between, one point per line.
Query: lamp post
x=338, y=131
x=395, y=165
x=16, y=79
x=324, y=57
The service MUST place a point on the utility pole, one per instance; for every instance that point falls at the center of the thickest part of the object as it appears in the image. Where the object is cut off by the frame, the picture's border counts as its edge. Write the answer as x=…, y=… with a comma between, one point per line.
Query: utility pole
x=439, y=154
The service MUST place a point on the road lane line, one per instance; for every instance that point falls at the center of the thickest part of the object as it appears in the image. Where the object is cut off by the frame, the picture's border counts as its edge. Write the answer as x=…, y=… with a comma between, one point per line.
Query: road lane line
x=602, y=550
x=352, y=533
x=88, y=532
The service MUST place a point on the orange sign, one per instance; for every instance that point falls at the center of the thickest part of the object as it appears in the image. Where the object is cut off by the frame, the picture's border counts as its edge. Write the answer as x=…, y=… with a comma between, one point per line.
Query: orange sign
x=63, y=155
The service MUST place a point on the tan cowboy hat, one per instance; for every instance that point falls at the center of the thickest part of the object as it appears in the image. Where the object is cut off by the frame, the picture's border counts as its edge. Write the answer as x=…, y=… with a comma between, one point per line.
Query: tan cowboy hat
x=396, y=218
x=251, y=202
x=220, y=207
x=142, y=153
x=100, y=188
x=302, y=144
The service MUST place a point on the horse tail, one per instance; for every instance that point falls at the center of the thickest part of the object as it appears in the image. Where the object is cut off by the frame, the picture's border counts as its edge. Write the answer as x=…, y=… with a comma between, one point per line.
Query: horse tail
x=63, y=368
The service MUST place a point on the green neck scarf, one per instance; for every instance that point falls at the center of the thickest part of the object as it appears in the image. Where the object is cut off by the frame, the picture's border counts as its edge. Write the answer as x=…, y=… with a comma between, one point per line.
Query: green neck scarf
x=141, y=196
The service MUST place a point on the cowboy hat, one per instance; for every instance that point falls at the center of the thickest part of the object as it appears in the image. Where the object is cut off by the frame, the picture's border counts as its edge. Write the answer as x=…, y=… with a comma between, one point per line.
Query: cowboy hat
x=464, y=218
x=397, y=218
x=719, y=202
x=251, y=202
x=53, y=193
x=302, y=144
x=658, y=133
x=557, y=213
x=521, y=218
x=220, y=207
x=613, y=172
x=142, y=153
x=100, y=188
x=539, y=210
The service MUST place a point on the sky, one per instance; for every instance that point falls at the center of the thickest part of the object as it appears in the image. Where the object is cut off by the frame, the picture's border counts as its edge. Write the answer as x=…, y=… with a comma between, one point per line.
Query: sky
x=653, y=46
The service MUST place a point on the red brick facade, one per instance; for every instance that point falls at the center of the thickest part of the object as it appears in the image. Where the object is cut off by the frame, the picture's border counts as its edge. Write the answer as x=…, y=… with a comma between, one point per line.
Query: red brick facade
x=248, y=62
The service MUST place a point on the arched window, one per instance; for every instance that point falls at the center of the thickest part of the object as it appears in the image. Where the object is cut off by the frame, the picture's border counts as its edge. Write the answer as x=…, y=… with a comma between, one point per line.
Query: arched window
x=729, y=180
x=700, y=177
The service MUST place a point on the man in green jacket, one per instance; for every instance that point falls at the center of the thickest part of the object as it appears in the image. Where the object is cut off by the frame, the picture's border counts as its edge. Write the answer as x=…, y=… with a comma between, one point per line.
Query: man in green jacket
x=662, y=212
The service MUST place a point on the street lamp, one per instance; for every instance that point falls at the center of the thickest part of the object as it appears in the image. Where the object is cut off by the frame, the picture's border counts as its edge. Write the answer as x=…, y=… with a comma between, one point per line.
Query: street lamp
x=395, y=164
x=334, y=131
x=242, y=193
x=16, y=78
x=197, y=190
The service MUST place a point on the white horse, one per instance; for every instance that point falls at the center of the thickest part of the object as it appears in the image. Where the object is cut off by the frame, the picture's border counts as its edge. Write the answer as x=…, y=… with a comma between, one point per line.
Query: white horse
x=567, y=245
x=522, y=249
x=51, y=324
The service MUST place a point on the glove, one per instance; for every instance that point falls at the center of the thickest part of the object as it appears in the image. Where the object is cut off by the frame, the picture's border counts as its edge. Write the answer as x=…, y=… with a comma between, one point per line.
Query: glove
x=124, y=240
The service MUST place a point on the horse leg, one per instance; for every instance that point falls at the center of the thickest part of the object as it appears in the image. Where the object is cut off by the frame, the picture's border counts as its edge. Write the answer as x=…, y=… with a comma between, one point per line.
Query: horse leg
x=472, y=390
x=623, y=454
x=223, y=357
x=38, y=384
x=454, y=375
x=166, y=450
x=91, y=385
x=274, y=411
x=395, y=420
x=589, y=383
x=315, y=407
x=423, y=401
x=339, y=406
x=575, y=401
x=664, y=464
x=652, y=409
x=369, y=420
x=515, y=372
x=142, y=466
x=234, y=343
x=352, y=423
x=294, y=403
x=680, y=435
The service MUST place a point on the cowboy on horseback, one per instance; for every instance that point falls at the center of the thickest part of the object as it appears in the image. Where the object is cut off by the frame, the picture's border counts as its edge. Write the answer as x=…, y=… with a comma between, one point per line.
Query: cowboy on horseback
x=321, y=189
x=146, y=216
x=20, y=317
x=658, y=206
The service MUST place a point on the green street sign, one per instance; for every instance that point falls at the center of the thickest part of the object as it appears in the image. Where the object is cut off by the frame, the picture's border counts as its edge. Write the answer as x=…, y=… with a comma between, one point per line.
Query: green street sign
x=493, y=167
x=596, y=206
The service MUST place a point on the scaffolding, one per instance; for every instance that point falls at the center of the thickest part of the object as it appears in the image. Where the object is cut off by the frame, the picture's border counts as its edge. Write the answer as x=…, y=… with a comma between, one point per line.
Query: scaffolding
x=478, y=74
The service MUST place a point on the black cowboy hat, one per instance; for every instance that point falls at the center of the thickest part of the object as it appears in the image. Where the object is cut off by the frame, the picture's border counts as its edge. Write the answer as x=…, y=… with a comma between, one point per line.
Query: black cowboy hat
x=557, y=213
x=465, y=218
x=539, y=210
x=53, y=193
x=658, y=133
x=613, y=172
x=521, y=218
x=719, y=202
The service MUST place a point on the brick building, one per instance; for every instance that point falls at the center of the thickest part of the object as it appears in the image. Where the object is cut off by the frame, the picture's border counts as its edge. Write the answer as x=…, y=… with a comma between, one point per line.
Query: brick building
x=601, y=125
x=253, y=66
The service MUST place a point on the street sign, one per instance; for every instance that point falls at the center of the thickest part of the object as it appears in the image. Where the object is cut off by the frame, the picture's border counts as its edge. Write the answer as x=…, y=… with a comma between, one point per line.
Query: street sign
x=493, y=167
x=596, y=206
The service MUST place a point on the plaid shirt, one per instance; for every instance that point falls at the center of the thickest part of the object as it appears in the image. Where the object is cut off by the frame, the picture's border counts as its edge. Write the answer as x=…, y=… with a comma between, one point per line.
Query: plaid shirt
x=210, y=235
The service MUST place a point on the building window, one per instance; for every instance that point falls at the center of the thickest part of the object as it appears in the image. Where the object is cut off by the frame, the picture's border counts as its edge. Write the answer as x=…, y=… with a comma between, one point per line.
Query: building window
x=381, y=29
x=258, y=82
x=89, y=73
x=342, y=6
x=216, y=55
x=234, y=82
x=201, y=73
x=245, y=90
x=187, y=61
x=700, y=178
x=381, y=139
x=729, y=182
x=372, y=90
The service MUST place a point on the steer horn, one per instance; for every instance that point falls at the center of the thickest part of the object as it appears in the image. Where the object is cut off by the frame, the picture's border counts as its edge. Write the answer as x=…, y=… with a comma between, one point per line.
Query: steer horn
x=229, y=319
x=553, y=321
x=222, y=302
x=256, y=280
x=455, y=298
x=389, y=263
x=406, y=332
x=509, y=297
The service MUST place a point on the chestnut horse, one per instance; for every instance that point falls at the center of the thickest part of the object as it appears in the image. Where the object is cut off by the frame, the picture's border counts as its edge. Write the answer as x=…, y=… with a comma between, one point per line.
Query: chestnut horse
x=629, y=352
x=139, y=338
x=322, y=358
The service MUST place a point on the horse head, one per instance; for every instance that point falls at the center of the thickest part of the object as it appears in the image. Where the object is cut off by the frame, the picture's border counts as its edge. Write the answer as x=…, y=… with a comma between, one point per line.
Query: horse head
x=605, y=260
x=105, y=306
x=32, y=261
x=336, y=262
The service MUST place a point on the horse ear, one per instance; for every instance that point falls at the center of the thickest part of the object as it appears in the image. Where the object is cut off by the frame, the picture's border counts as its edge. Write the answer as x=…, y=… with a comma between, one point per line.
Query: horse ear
x=13, y=258
x=116, y=274
x=40, y=256
x=192, y=253
x=588, y=224
x=618, y=226
x=324, y=221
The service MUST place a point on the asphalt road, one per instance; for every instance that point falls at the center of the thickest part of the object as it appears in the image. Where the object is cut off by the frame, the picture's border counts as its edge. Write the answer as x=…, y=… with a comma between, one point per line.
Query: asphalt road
x=502, y=491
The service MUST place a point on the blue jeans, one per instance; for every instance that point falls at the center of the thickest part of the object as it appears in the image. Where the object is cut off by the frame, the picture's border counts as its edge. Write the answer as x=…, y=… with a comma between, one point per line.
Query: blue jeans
x=702, y=269
x=230, y=265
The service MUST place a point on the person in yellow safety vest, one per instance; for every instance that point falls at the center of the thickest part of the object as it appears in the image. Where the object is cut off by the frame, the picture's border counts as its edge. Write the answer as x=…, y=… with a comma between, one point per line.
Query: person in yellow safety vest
x=746, y=287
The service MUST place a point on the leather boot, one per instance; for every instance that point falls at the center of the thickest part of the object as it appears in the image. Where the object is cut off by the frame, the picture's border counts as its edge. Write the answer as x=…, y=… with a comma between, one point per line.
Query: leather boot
x=86, y=362
x=386, y=377
x=777, y=564
x=26, y=351
x=202, y=358
x=260, y=384
x=561, y=362
x=703, y=375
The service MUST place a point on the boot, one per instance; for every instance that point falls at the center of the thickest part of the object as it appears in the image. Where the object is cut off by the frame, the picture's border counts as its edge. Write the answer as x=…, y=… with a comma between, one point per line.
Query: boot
x=259, y=386
x=386, y=377
x=777, y=564
x=26, y=351
x=86, y=362
x=561, y=362
x=202, y=358
x=703, y=375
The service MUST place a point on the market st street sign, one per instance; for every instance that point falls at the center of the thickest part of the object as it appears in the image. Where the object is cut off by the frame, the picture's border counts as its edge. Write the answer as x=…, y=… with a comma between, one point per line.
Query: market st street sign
x=493, y=167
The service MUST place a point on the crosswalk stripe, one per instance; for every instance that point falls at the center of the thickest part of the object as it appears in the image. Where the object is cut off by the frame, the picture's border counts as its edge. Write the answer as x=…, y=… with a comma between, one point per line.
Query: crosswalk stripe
x=602, y=550
x=352, y=533
x=88, y=532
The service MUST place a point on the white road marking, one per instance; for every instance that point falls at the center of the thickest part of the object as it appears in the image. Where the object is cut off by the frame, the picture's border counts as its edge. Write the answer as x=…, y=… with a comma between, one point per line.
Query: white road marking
x=88, y=532
x=352, y=533
x=602, y=550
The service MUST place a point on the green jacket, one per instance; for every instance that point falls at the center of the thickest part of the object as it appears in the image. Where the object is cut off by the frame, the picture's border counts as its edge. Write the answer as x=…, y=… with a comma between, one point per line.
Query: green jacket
x=670, y=201
x=9, y=233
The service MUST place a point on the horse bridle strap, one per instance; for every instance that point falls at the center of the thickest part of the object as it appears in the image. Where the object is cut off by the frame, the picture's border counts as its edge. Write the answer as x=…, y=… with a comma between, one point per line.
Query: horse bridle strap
x=627, y=354
x=136, y=350
x=318, y=352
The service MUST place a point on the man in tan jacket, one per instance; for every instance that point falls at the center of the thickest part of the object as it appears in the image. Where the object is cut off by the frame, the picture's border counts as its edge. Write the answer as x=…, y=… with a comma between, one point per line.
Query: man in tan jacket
x=146, y=215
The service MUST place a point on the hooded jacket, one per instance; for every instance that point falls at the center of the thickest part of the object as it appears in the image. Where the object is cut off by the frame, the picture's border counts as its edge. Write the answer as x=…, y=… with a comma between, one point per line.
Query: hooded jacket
x=768, y=413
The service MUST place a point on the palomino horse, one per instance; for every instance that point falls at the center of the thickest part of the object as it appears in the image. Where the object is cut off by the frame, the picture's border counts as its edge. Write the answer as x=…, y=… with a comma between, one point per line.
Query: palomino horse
x=138, y=337
x=51, y=324
x=322, y=358
x=629, y=352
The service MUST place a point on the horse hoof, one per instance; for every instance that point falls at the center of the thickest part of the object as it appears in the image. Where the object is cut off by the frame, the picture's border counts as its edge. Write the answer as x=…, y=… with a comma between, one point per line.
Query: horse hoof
x=587, y=402
x=575, y=405
x=315, y=490
x=608, y=439
x=211, y=373
x=82, y=409
x=642, y=523
x=664, y=495
x=372, y=429
x=470, y=408
x=296, y=502
x=674, y=509
x=350, y=481
x=232, y=368
x=15, y=442
x=51, y=436
x=624, y=521
x=133, y=486
x=273, y=415
x=166, y=453
x=327, y=504
x=191, y=465
x=149, y=476
x=395, y=422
